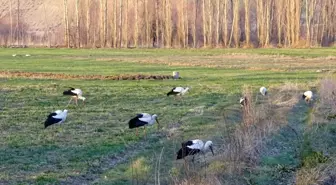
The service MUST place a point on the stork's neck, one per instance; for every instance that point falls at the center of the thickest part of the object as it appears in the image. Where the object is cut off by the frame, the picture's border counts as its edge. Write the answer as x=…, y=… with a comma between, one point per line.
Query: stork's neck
x=206, y=146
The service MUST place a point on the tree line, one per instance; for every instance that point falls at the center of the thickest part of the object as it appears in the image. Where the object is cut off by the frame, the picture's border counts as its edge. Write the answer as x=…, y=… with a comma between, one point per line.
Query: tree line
x=192, y=23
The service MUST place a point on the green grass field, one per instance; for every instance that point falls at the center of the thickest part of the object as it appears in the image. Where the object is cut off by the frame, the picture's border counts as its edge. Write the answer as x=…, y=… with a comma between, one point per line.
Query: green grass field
x=94, y=145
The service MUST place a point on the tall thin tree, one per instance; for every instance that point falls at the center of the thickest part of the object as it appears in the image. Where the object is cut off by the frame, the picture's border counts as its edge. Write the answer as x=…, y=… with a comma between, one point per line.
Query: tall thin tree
x=77, y=24
x=121, y=23
x=66, y=23
x=18, y=22
x=136, y=30
x=88, y=6
x=11, y=21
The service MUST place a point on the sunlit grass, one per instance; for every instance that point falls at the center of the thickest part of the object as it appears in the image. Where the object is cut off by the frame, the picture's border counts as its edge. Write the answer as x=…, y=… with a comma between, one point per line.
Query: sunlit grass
x=99, y=130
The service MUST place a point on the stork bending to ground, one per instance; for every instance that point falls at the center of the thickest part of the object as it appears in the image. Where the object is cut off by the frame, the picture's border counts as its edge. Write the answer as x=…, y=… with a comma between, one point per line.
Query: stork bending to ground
x=263, y=91
x=307, y=96
x=243, y=101
x=75, y=94
x=143, y=119
x=56, y=117
x=193, y=147
x=180, y=91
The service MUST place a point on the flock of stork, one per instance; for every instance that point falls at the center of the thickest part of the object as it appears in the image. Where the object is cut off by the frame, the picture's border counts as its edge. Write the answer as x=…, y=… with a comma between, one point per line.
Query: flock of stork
x=190, y=147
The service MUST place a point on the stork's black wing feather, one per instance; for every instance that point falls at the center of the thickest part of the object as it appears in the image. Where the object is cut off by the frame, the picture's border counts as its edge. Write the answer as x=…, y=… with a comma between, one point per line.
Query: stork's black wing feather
x=185, y=151
x=50, y=120
x=135, y=122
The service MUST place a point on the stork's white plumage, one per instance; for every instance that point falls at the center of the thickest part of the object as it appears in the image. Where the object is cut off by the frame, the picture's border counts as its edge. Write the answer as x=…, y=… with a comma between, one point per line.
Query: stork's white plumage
x=178, y=91
x=307, y=96
x=263, y=91
x=27, y=55
x=193, y=147
x=56, y=117
x=75, y=94
x=143, y=119
x=242, y=101
x=14, y=55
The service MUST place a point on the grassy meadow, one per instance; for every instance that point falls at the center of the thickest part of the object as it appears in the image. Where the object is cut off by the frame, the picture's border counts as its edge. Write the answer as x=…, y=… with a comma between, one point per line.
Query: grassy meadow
x=95, y=146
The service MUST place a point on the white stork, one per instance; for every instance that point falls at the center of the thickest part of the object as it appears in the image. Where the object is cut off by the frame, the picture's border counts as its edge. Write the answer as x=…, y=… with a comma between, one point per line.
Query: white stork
x=56, y=117
x=193, y=147
x=307, y=96
x=75, y=94
x=180, y=91
x=143, y=119
x=263, y=91
x=28, y=55
x=243, y=101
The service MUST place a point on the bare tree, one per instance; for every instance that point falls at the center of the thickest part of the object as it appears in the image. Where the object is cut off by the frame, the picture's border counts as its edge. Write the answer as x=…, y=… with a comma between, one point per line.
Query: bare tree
x=120, y=23
x=210, y=23
x=225, y=24
x=136, y=30
x=182, y=24
x=194, y=27
x=217, y=22
x=77, y=23
x=11, y=21
x=204, y=24
x=66, y=23
x=146, y=23
x=126, y=24
x=115, y=25
x=47, y=25
x=157, y=22
x=88, y=22
x=247, y=22
x=187, y=24
x=280, y=19
x=18, y=22
x=310, y=7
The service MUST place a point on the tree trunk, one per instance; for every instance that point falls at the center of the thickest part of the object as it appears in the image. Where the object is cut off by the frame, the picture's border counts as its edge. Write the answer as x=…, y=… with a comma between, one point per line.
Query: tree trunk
x=66, y=23
x=18, y=22
x=247, y=22
x=88, y=22
x=115, y=38
x=210, y=23
x=182, y=25
x=120, y=24
x=126, y=24
x=11, y=22
x=136, y=30
x=225, y=25
x=194, y=28
x=157, y=22
x=187, y=25
x=147, y=23
x=217, y=23
x=77, y=24
x=204, y=24
x=105, y=24
x=47, y=25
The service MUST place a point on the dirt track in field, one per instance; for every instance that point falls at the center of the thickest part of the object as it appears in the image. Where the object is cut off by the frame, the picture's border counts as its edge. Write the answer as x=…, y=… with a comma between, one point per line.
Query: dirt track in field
x=35, y=75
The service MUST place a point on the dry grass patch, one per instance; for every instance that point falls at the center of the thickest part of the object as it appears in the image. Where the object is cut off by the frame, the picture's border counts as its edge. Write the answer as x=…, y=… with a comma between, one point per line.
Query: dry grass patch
x=325, y=109
x=241, y=150
x=35, y=75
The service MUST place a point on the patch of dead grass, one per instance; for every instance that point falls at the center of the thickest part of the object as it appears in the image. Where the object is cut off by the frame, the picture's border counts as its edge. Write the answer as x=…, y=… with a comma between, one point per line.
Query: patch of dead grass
x=35, y=75
x=241, y=149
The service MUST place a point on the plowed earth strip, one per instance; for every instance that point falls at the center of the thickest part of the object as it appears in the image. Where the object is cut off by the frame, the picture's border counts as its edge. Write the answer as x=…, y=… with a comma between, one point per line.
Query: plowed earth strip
x=35, y=75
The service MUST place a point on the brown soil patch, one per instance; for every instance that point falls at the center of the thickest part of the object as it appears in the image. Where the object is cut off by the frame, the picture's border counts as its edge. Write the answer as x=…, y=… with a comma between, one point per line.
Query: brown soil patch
x=34, y=75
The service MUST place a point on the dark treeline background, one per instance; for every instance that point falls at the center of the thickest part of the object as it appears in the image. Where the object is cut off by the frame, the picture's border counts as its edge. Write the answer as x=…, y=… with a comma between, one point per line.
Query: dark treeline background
x=179, y=23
